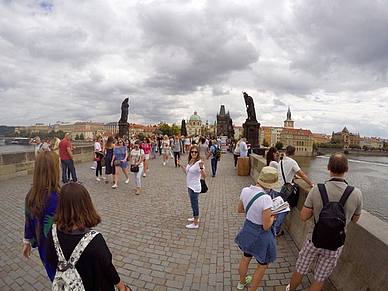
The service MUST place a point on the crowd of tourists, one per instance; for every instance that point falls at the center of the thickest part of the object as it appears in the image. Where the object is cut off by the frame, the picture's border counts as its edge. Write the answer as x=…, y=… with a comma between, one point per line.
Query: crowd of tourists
x=61, y=236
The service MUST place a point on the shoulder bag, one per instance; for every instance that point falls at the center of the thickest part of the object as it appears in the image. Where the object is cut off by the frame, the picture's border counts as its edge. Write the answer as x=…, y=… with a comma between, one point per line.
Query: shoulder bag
x=288, y=190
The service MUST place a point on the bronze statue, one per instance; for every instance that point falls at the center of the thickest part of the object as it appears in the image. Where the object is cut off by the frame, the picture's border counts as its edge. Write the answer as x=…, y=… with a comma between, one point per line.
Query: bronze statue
x=250, y=107
x=124, y=111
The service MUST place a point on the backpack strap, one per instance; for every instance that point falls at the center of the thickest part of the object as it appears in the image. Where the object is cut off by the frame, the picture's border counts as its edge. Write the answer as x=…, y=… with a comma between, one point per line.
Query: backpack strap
x=81, y=246
x=284, y=177
x=63, y=265
x=323, y=192
x=57, y=246
x=253, y=200
x=345, y=196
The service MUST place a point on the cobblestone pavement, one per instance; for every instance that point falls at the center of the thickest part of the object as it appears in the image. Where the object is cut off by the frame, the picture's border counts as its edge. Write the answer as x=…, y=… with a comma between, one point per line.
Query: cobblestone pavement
x=146, y=234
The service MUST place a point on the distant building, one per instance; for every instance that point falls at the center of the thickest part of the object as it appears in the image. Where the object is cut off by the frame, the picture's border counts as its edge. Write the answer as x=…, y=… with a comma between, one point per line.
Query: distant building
x=271, y=134
x=371, y=142
x=95, y=127
x=88, y=135
x=65, y=127
x=136, y=129
x=301, y=139
x=321, y=138
x=346, y=138
x=38, y=127
x=111, y=127
x=238, y=132
x=224, y=123
x=194, y=125
x=288, y=123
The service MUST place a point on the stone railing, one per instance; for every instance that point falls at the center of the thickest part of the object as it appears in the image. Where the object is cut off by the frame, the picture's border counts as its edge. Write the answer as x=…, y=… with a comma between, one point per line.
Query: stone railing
x=362, y=265
x=22, y=163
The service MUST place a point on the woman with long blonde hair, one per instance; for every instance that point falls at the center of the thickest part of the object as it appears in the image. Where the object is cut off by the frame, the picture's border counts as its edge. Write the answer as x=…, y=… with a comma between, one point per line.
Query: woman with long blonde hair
x=40, y=206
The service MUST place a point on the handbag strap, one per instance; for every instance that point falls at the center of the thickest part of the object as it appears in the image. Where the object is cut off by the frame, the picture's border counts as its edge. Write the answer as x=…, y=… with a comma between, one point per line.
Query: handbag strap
x=253, y=200
x=284, y=177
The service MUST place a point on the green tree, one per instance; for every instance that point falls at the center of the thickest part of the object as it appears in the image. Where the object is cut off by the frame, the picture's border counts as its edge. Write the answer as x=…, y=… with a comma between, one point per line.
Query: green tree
x=166, y=129
x=82, y=137
x=279, y=145
x=265, y=143
x=175, y=130
x=140, y=136
x=335, y=140
x=77, y=137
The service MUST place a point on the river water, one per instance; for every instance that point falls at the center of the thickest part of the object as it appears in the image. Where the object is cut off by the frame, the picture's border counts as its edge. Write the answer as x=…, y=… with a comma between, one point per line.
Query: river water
x=14, y=148
x=368, y=173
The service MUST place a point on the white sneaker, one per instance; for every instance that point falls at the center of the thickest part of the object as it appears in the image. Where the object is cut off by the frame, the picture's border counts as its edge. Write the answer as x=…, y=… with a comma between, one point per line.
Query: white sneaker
x=192, y=225
x=288, y=287
x=114, y=186
x=98, y=179
x=144, y=175
x=102, y=177
x=164, y=163
x=93, y=168
x=191, y=219
x=127, y=181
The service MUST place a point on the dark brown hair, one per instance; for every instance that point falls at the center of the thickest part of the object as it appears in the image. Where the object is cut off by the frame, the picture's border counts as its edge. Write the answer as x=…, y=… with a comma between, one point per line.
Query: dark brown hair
x=290, y=150
x=75, y=209
x=194, y=146
x=270, y=153
x=46, y=178
x=338, y=163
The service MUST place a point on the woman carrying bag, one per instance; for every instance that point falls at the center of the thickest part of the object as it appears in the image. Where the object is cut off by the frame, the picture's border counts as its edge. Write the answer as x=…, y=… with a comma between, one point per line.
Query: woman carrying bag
x=194, y=171
x=136, y=159
x=257, y=237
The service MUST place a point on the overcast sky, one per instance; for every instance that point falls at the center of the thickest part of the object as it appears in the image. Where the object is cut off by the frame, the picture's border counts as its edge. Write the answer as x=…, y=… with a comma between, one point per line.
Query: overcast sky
x=78, y=60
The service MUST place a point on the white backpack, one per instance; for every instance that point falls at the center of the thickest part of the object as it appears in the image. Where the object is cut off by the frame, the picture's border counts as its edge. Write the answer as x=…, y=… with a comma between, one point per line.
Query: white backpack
x=67, y=276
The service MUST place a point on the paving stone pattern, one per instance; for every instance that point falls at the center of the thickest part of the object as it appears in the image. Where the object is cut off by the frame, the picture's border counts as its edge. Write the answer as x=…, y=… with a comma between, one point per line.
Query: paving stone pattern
x=152, y=249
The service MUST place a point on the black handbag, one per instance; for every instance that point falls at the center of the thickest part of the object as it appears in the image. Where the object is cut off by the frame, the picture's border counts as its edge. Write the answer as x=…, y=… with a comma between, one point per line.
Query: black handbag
x=134, y=169
x=288, y=191
x=204, y=187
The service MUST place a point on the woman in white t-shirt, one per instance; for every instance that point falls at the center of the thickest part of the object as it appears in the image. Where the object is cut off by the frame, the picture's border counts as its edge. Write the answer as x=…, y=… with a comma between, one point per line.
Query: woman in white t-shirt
x=136, y=159
x=257, y=237
x=194, y=171
x=99, y=154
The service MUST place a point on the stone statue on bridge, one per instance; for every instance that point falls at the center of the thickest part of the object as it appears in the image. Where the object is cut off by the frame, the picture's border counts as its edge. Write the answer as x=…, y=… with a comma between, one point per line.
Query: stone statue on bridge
x=123, y=122
x=124, y=111
x=250, y=106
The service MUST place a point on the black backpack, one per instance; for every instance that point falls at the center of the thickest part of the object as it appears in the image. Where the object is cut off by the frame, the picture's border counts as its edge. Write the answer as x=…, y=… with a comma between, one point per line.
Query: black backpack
x=217, y=153
x=329, y=231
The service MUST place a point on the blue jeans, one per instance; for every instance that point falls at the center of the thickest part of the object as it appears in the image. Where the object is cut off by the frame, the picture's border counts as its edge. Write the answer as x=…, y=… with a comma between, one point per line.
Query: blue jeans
x=68, y=164
x=214, y=166
x=281, y=216
x=194, y=202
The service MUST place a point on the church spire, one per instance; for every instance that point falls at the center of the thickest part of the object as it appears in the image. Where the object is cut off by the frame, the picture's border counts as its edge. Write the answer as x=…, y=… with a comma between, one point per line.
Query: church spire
x=289, y=113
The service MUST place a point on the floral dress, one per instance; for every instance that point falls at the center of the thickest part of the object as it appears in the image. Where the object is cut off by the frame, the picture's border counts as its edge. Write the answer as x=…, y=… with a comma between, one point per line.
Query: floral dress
x=36, y=229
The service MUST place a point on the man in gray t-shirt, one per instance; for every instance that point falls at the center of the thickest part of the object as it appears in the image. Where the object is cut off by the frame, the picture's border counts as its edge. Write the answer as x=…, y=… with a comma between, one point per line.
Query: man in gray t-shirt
x=335, y=187
x=176, y=147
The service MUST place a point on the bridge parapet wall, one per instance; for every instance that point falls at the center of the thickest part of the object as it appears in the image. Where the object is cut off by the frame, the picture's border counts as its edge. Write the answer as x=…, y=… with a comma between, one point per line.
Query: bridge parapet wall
x=22, y=163
x=362, y=265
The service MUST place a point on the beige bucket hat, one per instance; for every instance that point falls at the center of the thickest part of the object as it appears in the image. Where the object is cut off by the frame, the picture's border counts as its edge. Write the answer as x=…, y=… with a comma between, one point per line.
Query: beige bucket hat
x=268, y=178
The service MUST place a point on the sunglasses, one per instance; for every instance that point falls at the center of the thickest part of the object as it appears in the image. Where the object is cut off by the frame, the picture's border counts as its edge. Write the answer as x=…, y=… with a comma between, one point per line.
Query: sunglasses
x=194, y=152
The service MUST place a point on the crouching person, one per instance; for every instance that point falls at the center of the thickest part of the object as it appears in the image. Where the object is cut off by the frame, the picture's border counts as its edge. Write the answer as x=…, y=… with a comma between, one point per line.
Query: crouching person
x=333, y=204
x=80, y=253
x=257, y=237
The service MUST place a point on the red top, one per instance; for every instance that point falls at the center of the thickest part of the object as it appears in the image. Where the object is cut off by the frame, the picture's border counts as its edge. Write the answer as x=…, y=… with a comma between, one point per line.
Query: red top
x=146, y=147
x=63, y=145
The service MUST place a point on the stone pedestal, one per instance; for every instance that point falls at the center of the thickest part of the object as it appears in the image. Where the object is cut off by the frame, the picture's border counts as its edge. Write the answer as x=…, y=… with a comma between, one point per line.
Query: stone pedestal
x=123, y=129
x=251, y=133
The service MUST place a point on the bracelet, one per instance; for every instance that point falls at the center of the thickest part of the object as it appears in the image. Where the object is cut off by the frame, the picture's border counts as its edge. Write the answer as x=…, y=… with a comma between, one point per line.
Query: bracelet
x=26, y=241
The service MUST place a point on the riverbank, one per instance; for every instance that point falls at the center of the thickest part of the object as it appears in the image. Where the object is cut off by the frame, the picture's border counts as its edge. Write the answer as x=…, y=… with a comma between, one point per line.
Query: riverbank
x=326, y=151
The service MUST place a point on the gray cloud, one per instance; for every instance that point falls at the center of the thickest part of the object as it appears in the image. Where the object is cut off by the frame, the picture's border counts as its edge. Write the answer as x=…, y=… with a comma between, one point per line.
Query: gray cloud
x=75, y=61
